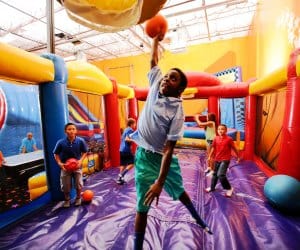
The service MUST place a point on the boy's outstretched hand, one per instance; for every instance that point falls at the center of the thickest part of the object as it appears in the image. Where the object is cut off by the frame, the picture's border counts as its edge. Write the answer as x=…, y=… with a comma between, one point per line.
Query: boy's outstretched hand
x=159, y=37
x=153, y=193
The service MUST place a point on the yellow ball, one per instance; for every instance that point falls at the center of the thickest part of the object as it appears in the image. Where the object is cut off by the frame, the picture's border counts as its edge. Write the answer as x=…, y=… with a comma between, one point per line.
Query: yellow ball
x=112, y=6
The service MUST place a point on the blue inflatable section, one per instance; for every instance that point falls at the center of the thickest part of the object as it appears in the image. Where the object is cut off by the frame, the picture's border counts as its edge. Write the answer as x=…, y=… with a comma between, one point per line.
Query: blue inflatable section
x=54, y=97
x=23, y=115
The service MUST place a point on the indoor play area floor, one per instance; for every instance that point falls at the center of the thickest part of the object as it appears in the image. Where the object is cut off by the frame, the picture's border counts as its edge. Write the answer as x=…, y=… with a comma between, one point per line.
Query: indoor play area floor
x=244, y=221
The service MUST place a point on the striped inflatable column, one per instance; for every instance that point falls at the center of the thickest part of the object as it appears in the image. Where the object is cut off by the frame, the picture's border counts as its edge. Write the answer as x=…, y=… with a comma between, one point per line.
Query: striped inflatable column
x=239, y=106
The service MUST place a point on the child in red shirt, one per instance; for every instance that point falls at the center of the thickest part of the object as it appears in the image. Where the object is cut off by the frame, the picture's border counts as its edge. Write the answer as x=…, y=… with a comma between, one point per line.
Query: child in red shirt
x=221, y=148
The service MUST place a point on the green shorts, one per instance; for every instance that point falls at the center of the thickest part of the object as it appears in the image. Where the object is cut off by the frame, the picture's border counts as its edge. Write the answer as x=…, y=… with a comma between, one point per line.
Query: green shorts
x=147, y=167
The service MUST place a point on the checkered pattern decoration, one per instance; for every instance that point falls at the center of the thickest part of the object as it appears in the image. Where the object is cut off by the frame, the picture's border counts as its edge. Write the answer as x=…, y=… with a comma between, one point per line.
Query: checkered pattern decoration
x=232, y=110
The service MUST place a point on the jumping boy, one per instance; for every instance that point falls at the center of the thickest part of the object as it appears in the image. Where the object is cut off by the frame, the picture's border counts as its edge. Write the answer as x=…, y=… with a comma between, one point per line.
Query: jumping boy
x=160, y=125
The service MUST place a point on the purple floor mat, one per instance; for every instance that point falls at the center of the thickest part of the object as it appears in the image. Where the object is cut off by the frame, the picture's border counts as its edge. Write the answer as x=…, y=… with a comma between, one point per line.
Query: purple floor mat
x=244, y=221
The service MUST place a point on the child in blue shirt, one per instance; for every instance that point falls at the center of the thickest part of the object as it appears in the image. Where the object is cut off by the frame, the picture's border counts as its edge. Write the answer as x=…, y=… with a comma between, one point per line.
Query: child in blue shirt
x=126, y=155
x=160, y=125
x=71, y=146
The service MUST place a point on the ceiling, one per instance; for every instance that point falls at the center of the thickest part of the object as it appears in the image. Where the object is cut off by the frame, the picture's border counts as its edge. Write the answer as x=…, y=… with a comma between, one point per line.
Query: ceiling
x=24, y=24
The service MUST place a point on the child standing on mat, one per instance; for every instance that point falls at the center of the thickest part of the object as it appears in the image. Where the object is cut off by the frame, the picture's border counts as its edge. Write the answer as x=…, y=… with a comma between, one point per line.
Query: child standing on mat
x=210, y=133
x=221, y=148
x=126, y=155
x=70, y=147
x=160, y=125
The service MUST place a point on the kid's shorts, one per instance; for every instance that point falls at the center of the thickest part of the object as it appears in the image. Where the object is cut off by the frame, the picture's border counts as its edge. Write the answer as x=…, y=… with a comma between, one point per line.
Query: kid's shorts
x=66, y=180
x=209, y=142
x=147, y=168
x=126, y=159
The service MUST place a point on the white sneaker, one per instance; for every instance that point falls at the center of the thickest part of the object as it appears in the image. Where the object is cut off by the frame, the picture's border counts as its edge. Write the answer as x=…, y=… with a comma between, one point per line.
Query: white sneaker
x=210, y=173
x=207, y=230
x=67, y=203
x=78, y=202
x=120, y=180
x=206, y=171
x=229, y=193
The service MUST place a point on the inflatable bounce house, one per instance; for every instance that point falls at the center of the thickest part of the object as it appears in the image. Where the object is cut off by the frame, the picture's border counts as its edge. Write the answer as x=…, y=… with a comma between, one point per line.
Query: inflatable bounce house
x=21, y=110
x=59, y=81
x=231, y=111
x=267, y=135
x=27, y=114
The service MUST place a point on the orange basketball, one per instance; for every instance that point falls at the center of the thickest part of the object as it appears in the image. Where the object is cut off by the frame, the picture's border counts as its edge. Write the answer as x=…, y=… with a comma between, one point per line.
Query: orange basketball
x=156, y=25
x=71, y=164
x=87, y=195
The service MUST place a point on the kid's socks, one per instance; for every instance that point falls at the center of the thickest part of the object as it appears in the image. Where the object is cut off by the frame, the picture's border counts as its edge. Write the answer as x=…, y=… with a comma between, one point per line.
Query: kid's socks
x=196, y=216
x=124, y=172
x=138, y=240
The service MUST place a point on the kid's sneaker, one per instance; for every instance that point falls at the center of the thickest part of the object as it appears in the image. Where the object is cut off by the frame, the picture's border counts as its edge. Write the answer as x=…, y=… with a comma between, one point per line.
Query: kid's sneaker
x=78, y=202
x=207, y=230
x=206, y=171
x=120, y=180
x=229, y=193
x=67, y=203
x=210, y=173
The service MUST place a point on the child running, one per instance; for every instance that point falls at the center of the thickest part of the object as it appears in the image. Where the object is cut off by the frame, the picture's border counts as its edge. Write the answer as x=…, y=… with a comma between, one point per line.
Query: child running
x=126, y=155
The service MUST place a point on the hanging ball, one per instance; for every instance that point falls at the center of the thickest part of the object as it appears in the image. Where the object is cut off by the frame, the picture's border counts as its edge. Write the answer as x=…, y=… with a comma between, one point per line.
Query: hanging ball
x=283, y=193
x=87, y=195
x=71, y=164
x=156, y=25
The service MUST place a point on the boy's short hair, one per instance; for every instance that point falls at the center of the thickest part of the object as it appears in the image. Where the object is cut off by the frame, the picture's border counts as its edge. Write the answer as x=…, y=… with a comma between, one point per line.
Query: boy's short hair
x=184, y=81
x=211, y=116
x=223, y=125
x=130, y=121
x=69, y=124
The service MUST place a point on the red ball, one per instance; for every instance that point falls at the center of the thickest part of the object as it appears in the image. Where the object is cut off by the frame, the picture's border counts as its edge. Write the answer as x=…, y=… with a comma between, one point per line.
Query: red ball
x=156, y=25
x=71, y=164
x=87, y=195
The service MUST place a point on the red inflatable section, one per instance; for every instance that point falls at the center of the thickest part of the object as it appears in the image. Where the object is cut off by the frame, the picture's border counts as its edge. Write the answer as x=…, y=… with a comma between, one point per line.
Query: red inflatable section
x=229, y=90
x=197, y=79
x=141, y=93
x=2, y=109
x=288, y=162
x=113, y=134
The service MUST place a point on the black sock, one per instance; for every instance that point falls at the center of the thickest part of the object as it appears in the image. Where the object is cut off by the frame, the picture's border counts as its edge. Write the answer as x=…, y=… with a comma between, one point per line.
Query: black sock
x=195, y=215
x=138, y=240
